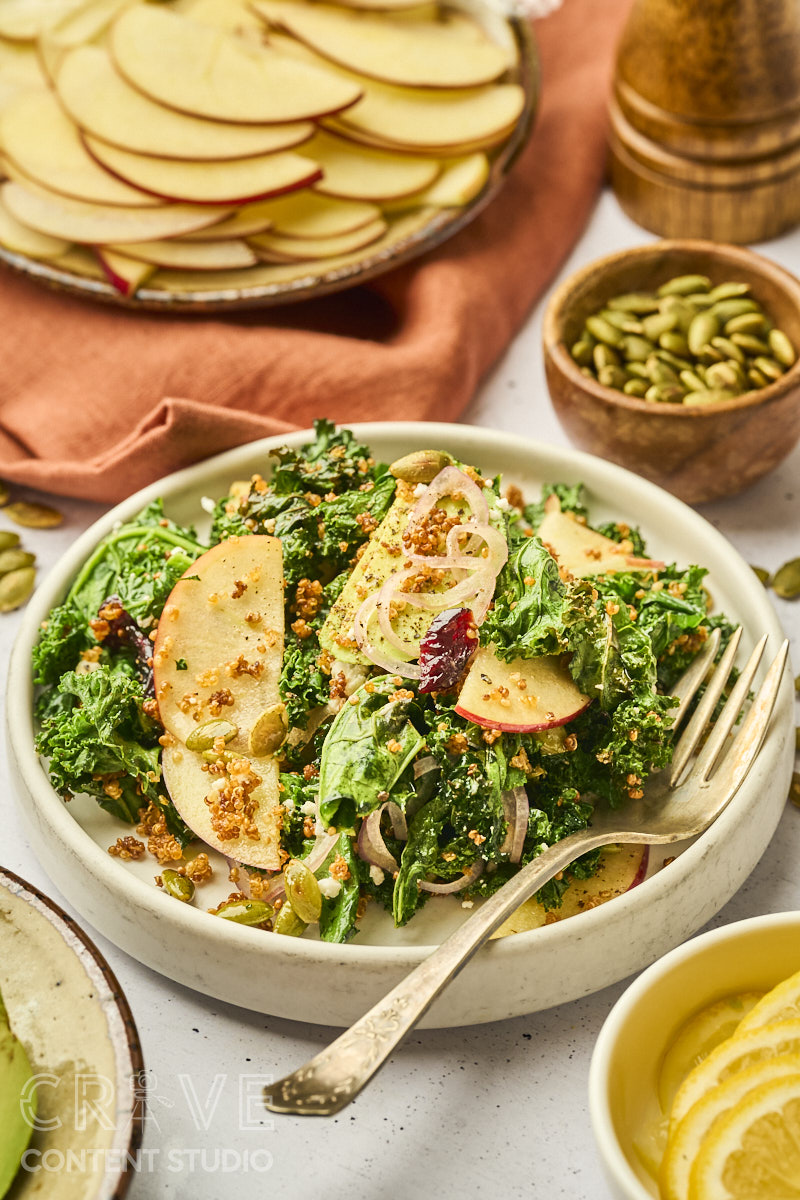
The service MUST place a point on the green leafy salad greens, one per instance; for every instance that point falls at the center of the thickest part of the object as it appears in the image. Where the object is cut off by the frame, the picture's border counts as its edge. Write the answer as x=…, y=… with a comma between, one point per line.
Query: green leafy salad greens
x=625, y=638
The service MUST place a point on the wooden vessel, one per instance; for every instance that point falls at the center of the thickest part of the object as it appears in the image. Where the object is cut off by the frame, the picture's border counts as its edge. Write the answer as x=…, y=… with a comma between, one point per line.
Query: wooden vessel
x=705, y=118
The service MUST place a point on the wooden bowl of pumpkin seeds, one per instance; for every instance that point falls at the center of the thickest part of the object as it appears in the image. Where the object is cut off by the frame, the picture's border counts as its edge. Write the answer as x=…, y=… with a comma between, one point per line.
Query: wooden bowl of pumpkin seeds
x=681, y=361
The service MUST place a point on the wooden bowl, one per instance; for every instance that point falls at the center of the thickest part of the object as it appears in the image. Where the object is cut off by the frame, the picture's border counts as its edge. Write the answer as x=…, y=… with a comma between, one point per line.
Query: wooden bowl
x=698, y=453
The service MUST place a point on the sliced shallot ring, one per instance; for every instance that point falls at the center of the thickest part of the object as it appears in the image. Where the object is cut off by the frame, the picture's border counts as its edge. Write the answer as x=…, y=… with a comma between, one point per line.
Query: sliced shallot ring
x=398, y=819
x=424, y=766
x=520, y=827
x=391, y=665
x=320, y=851
x=371, y=847
x=456, y=885
x=451, y=482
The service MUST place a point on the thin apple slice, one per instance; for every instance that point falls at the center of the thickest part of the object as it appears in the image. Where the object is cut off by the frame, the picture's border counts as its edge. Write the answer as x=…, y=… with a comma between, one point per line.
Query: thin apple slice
x=210, y=73
x=621, y=868
x=42, y=141
x=235, y=182
x=583, y=552
x=79, y=260
x=254, y=218
x=19, y=63
x=372, y=141
x=357, y=173
x=228, y=255
x=131, y=121
x=125, y=274
x=519, y=696
x=412, y=7
x=233, y=15
x=21, y=239
x=447, y=53
x=308, y=215
x=218, y=655
x=85, y=24
x=461, y=180
x=287, y=249
x=94, y=224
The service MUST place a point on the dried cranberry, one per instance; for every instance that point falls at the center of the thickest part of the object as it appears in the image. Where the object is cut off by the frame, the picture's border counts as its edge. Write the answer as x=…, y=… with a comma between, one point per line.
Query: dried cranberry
x=123, y=631
x=446, y=649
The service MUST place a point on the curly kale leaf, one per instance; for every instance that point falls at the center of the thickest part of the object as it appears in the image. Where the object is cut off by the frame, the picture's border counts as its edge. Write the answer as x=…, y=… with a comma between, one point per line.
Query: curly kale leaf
x=618, y=531
x=531, y=605
x=104, y=743
x=337, y=921
x=334, y=461
x=64, y=635
x=569, y=495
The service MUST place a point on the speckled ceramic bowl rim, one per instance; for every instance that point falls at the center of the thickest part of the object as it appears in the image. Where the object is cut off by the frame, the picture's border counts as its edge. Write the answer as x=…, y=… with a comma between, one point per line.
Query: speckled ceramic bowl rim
x=614, y=1027
x=485, y=446
x=562, y=299
x=123, y=1034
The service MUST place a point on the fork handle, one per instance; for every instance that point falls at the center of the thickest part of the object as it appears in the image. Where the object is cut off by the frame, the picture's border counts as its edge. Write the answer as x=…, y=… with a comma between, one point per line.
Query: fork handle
x=337, y=1074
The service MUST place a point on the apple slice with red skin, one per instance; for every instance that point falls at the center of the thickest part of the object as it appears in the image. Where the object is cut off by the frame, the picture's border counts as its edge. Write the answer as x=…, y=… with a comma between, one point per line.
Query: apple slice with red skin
x=229, y=255
x=235, y=181
x=519, y=696
x=584, y=552
x=125, y=274
x=218, y=654
x=621, y=868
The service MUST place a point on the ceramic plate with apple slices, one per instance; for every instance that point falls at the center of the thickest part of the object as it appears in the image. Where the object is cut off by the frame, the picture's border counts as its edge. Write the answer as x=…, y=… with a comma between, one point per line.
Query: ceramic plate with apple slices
x=333, y=984
x=214, y=104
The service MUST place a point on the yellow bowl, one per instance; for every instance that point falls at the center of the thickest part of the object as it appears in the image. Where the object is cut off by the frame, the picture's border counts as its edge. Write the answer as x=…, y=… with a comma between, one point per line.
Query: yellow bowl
x=751, y=955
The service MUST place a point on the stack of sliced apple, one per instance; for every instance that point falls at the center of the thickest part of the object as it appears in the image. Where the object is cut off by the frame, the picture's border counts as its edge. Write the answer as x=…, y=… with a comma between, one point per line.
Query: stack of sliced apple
x=215, y=143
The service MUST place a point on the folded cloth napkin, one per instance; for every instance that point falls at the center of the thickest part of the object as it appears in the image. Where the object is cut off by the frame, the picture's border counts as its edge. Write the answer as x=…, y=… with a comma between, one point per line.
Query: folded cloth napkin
x=86, y=392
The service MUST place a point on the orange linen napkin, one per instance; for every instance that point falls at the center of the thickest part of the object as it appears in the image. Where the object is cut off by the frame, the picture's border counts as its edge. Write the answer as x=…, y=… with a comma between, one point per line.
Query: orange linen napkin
x=86, y=405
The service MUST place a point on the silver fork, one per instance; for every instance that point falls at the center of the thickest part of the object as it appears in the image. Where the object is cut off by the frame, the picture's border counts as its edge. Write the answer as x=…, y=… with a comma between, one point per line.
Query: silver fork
x=675, y=807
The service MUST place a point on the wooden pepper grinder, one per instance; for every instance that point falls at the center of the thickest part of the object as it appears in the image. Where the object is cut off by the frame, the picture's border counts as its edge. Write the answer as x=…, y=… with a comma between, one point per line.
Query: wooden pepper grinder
x=705, y=118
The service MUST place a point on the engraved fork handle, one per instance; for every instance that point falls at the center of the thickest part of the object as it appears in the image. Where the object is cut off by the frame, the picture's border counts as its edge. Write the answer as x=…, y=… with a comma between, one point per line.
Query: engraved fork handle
x=337, y=1074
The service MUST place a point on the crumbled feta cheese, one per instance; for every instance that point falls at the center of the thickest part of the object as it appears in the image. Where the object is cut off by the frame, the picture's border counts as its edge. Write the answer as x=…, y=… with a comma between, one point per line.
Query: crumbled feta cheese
x=503, y=504
x=288, y=804
x=467, y=903
x=330, y=887
x=207, y=504
x=308, y=808
x=419, y=489
x=376, y=875
x=354, y=674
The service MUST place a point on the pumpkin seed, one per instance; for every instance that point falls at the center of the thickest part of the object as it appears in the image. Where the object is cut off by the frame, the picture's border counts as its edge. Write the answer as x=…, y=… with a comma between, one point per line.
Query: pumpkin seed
x=14, y=558
x=245, y=912
x=604, y=356
x=8, y=539
x=786, y=580
x=634, y=302
x=710, y=396
x=691, y=381
x=33, y=516
x=676, y=343
x=726, y=291
x=700, y=299
x=728, y=348
x=287, y=921
x=658, y=323
x=703, y=328
x=16, y=587
x=581, y=352
x=683, y=312
x=749, y=343
x=203, y=736
x=680, y=364
x=762, y=574
x=421, y=466
x=613, y=377
x=5, y=493
x=684, y=285
x=637, y=349
x=638, y=370
x=724, y=375
x=619, y=320
x=723, y=310
x=711, y=354
x=269, y=732
x=756, y=378
x=782, y=348
x=750, y=322
x=177, y=885
x=302, y=891
x=768, y=366
x=797, y=684
x=665, y=393
x=635, y=387
x=604, y=332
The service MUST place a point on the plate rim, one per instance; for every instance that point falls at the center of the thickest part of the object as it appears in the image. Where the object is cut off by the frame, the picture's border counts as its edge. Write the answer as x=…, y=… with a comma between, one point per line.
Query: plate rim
x=184, y=919
x=133, y=1068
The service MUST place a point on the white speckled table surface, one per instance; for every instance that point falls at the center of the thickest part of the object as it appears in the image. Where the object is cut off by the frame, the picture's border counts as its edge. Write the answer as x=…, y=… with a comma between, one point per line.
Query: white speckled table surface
x=499, y=1109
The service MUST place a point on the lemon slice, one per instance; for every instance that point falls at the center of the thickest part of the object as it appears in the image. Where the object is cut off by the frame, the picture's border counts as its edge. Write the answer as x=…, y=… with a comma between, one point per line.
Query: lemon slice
x=781, y=1004
x=738, y=1053
x=684, y=1143
x=697, y=1038
x=753, y=1150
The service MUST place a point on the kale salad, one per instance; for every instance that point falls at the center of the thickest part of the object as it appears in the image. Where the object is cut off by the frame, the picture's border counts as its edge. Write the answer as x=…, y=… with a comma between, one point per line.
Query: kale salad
x=369, y=684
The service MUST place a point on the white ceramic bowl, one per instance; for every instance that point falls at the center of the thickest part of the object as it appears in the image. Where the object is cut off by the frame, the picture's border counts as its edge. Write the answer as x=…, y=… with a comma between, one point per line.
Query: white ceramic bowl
x=331, y=984
x=747, y=956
